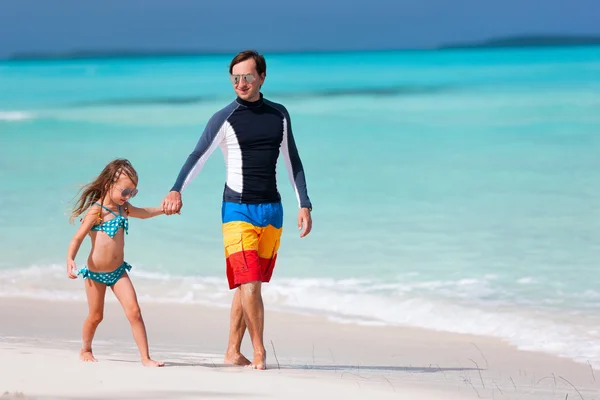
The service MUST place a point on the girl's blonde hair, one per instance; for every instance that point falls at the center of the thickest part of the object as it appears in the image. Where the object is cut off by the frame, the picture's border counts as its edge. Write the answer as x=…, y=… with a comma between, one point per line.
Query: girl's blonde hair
x=99, y=187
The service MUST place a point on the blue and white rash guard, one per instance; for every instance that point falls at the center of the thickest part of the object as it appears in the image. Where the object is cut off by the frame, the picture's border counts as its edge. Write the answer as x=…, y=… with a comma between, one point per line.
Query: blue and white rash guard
x=251, y=136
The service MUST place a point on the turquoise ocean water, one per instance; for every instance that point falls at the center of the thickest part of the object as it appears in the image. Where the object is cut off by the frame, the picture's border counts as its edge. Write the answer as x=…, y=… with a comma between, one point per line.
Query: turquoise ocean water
x=452, y=190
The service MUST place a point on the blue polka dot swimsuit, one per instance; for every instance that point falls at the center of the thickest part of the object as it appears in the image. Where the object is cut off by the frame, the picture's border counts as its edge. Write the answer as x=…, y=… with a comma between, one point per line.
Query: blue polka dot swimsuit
x=110, y=227
x=108, y=278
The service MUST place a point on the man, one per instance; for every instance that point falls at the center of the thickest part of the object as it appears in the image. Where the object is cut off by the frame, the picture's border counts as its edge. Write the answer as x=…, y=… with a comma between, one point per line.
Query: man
x=251, y=132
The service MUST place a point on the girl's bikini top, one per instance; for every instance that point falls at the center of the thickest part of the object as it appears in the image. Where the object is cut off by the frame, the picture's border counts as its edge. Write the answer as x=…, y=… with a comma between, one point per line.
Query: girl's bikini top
x=112, y=226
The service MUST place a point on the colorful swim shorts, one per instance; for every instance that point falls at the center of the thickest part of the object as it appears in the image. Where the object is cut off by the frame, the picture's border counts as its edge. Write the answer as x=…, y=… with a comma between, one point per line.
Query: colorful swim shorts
x=251, y=235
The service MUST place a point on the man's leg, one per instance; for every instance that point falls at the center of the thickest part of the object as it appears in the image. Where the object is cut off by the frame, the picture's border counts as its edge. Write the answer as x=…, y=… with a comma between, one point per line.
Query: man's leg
x=237, y=328
x=254, y=316
x=252, y=301
x=251, y=236
x=241, y=240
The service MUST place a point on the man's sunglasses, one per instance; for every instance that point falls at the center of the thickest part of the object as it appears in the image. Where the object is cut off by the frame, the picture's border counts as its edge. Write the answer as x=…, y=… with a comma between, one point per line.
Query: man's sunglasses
x=235, y=79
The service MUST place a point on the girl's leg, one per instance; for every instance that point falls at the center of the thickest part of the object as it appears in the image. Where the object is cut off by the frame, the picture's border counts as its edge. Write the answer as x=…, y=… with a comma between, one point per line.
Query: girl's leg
x=125, y=293
x=95, y=292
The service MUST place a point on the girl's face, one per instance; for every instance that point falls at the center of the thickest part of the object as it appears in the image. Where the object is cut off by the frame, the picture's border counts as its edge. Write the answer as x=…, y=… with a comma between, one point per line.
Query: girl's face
x=122, y=190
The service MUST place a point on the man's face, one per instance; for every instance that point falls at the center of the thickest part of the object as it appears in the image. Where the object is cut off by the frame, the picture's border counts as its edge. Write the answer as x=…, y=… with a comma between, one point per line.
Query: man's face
x=246, y=81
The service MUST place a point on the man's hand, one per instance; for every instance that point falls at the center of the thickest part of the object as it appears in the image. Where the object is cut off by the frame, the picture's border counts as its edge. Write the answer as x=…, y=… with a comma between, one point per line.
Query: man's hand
x=304, y=222
x=172, y=203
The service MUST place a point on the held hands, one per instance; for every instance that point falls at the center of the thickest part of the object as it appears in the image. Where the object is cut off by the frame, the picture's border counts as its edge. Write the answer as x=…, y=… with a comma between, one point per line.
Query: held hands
x=304, y=222
x=172, y=203
x=71, y=269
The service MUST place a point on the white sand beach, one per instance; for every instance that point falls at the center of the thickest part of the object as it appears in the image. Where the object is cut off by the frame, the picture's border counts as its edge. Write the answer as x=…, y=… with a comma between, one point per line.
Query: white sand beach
x=308, y=357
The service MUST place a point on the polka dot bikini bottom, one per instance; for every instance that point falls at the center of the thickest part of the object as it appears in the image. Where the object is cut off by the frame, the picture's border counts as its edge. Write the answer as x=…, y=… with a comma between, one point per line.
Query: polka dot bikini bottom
x=107, y=278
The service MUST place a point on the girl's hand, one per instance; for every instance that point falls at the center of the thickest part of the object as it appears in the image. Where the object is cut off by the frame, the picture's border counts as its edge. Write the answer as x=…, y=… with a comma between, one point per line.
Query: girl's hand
x=71, y=269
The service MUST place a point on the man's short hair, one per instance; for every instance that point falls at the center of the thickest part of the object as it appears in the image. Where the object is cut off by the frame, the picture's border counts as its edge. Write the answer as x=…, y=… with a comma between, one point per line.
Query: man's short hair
x=259, y=60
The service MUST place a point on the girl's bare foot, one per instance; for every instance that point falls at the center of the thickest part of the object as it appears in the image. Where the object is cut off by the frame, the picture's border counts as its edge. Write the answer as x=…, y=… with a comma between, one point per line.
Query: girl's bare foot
x=151, y=363
x=87, y=356
x=236, y=359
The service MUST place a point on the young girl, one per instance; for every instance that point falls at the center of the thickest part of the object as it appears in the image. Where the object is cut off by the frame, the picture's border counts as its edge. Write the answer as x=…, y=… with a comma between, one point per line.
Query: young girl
x=106, y=222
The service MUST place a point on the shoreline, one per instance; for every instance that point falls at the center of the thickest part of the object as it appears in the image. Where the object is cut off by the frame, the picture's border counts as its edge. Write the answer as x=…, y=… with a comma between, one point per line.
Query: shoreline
x=556, y=333
x=382, y=361
x=550, y=334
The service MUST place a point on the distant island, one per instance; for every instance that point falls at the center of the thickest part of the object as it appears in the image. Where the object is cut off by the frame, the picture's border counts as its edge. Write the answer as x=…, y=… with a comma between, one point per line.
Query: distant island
x=528, y=41
x=504, y=42
x=91, y=54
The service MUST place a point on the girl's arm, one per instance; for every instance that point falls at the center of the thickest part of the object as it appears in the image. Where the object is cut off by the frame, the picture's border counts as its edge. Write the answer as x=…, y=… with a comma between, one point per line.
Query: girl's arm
x=143, y=212
x=90, y=219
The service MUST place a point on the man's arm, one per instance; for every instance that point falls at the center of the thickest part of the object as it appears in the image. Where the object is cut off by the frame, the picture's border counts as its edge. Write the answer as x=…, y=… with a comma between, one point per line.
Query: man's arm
x=294, y=164
x=213, y=135
x=208, y=142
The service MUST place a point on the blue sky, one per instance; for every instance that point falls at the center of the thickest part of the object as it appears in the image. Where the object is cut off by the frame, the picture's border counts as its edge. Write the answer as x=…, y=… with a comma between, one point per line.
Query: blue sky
x=66, y=25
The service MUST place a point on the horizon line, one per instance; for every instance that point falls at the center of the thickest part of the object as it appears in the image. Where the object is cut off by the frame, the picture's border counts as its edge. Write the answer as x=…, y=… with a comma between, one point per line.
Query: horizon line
x=515, y=41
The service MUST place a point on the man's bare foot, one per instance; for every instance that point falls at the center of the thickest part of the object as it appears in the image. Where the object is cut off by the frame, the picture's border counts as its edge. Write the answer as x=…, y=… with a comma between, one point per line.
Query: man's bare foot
x=260, y=361
x=151, y=363
x=87, y=356
x=236, y=359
